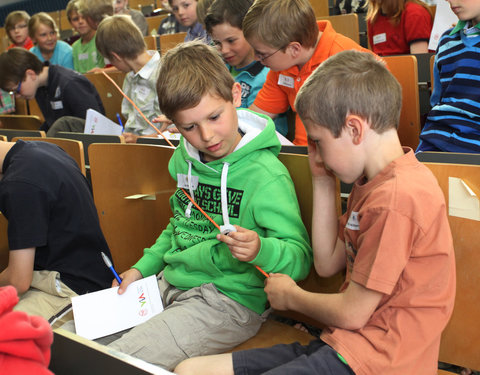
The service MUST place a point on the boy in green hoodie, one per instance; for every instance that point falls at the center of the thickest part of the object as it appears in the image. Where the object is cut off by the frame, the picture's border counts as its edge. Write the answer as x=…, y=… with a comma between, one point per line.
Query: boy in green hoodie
x=227, y=162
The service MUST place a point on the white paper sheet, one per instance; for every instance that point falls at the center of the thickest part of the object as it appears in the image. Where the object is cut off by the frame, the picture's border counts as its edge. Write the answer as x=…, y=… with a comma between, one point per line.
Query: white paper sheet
x=105, y=312
x=96, y=123
x=444, y=19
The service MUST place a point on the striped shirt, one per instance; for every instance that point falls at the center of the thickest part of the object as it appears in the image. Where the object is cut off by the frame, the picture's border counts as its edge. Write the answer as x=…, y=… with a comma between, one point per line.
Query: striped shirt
x=453, y=124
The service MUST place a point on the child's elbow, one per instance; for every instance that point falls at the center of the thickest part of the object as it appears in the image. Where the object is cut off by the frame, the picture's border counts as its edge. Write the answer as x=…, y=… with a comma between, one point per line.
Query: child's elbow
x=352, y=320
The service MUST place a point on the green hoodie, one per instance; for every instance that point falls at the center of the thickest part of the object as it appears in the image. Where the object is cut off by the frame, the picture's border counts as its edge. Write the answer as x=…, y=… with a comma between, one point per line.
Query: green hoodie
x=261, y=197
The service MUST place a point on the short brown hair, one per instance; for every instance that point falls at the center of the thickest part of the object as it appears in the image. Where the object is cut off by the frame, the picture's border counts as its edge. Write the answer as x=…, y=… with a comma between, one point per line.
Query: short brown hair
x=40, y=18
x=119, y=34
x=351, y=82
x=13, y=18
x=280, y=22
x=13, y=65
x=97, y=10
x=72, y=6
x=189, y=72
x=227, y=11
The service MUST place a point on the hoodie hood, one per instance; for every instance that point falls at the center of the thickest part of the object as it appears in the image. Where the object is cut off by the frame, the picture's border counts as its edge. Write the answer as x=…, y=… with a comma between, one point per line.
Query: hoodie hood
x=258, y=134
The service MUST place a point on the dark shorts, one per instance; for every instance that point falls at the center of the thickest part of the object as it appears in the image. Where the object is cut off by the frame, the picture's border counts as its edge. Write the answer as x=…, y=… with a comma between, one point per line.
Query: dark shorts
x=314, y=358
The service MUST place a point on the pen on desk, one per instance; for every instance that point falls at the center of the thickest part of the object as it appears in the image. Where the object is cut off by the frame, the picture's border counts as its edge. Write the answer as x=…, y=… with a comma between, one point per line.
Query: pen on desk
x=110, y=265
x=120, y=121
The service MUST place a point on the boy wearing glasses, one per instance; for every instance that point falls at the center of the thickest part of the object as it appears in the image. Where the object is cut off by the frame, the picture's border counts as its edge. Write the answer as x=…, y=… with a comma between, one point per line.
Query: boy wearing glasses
x=16, y=25
x=59, y=91
x=287, y=38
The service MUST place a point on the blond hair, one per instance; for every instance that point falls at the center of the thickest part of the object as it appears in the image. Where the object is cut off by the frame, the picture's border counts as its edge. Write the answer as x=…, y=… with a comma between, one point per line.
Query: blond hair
x=120, y=35
x=96, y=10
x=41, y=18
x=189, y=72
x=350, y=82
x=391, y=8
x=280, y=22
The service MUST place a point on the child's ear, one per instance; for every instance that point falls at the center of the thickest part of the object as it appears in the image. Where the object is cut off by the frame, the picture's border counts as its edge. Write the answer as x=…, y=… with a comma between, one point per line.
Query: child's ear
x=294, y=49
x=237, y=94
x=356, y=127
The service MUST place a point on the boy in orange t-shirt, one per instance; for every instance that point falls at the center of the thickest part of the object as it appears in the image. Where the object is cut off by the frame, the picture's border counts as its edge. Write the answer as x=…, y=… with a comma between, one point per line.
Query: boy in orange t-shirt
x=394, y=240
x=288, y=39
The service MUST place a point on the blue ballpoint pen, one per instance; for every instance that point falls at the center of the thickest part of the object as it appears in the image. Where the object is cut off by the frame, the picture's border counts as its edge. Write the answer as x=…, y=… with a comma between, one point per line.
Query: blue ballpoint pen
x=120, y=121
x=110, y=265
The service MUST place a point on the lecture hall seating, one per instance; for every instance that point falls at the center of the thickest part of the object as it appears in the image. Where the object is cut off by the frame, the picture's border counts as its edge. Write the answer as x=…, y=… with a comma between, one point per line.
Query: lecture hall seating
x=404, y=68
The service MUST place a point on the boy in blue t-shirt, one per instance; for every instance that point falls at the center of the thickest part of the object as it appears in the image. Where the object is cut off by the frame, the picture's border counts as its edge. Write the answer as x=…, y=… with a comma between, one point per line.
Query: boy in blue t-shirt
x=224, y=23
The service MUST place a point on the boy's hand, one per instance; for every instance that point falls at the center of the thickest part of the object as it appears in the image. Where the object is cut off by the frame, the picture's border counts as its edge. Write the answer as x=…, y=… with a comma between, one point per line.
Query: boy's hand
x=127, y=277
x=279, y=288
x=317, y=166
x=130, y=137
x=165, y=123
x=244, y=244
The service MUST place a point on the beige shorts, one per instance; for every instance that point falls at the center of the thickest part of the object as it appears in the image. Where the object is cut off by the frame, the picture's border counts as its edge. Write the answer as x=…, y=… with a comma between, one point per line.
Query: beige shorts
x=195, y=322
x=48, y=297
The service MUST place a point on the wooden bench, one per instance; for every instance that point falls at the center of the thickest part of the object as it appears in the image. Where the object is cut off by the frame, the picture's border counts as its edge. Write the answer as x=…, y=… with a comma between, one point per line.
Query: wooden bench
x=404, y=68
x=459, y=342
x=23, y=122
x=168, y=41
x=12, y=133
x=110, y=96
x=273, y=332
x=120, y=172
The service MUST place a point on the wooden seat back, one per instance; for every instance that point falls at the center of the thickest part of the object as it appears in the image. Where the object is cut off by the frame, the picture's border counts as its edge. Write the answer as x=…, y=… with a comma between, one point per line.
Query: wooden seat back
x=320, y=7
x=345, y=24
x=25, y=122
x=154, y=22
x=168, y=41
x=71, y=147
x=110, y=96
x=131, y=224
x=404, y=68
x=12, y=133
x=459, y=342
x=89, y=139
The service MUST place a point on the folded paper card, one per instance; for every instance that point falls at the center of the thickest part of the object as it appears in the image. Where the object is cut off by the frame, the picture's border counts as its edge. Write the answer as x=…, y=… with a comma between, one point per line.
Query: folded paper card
x=462, y=200
x=96, y=123
x=105, y=312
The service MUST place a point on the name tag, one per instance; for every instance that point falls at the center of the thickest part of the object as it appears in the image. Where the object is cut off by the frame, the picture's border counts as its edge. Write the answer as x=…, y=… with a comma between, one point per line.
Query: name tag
x=57, y=105
x=182, y=181
x=83, y=56
x=142, y=92
x=285, y=81
x=352, y=222
x=379, y=38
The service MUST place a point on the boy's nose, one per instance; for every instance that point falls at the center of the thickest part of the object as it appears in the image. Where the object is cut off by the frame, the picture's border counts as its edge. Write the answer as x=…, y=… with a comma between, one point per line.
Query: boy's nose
x=205, y=132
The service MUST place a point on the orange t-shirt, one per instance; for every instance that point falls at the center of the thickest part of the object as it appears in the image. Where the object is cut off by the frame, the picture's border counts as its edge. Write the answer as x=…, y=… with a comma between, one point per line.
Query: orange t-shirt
x=398, y=242
x=276, y=98
x=27, y=44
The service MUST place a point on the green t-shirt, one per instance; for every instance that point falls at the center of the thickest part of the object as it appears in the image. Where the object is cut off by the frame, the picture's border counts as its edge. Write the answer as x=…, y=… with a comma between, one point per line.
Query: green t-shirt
x=86, y=56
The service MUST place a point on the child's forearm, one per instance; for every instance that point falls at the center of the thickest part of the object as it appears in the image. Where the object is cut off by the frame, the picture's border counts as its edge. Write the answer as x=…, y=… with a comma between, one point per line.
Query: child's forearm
x=328, y=251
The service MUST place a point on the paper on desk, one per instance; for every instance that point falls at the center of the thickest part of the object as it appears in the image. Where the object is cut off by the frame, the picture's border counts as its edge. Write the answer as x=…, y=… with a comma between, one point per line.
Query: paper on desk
x=96, y=123
x=462, y=200
x=444, y=19
x=105, y=312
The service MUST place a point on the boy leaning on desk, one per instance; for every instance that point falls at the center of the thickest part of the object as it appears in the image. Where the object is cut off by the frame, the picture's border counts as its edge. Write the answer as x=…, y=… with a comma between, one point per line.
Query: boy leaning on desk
x=227, y=164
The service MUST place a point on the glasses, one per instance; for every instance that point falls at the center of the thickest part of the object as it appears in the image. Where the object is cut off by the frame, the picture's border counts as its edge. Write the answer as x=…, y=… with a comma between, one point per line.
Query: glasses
x=19, y=87
x=262, y=57
x=19, y=27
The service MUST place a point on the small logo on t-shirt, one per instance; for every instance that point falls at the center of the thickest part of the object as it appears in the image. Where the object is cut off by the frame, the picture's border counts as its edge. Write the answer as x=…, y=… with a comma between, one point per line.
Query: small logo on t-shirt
x=353, y=223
